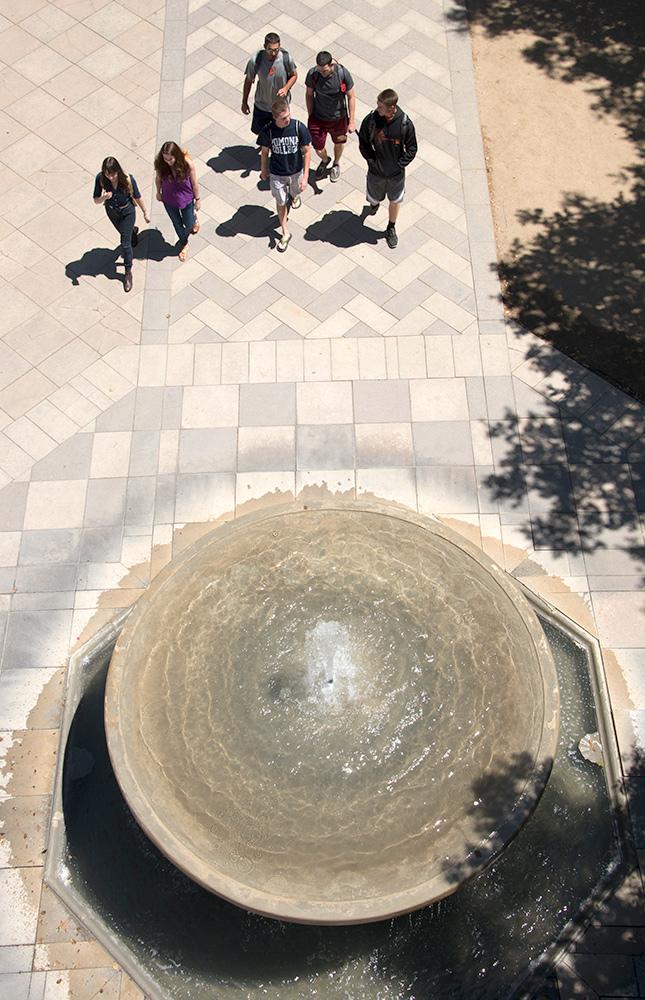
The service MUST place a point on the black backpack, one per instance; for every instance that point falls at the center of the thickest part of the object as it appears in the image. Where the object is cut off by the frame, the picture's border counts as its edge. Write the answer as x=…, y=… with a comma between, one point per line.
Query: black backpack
x=289, y=65
x=343, y=84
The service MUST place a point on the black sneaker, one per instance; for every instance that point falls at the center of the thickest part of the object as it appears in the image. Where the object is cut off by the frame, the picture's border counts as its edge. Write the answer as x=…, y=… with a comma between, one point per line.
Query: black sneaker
x=370, y=209
x=391, y=238
x=321, y=169
x=135, y=236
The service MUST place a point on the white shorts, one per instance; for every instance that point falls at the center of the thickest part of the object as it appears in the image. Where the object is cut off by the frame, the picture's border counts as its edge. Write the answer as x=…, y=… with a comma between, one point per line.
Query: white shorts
x=283, y=187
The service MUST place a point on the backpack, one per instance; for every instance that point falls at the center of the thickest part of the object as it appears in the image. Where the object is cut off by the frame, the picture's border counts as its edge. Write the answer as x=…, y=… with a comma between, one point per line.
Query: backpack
x=288, y=62
x=372, y=126
x=343, y=84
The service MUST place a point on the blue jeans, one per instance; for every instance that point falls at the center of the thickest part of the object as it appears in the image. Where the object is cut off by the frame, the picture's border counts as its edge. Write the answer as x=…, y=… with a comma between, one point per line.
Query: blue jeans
x=183, y=219
x=124, y=223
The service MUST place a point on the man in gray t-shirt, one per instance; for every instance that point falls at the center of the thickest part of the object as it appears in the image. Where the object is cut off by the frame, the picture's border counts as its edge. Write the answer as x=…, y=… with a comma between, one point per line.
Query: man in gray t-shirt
x=331, y=103
x=276, y=74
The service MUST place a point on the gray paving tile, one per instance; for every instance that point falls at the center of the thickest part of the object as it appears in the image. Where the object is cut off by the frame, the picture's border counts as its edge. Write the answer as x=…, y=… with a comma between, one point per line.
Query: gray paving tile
x=172, y=402
x=440, y=281
x=140, y=501
x=447, y=489
x=444, y=442
x=250, y=306
x=70, y=460
x=267, y=405
x=148, y=408
x=265, y=448
x=386, y=446
x=204, y=496
x=449, y=235
x=119, y=416
x=408, y=299
x=325, y=446
x=54, y=546
x=325, y=305
x=185, y=300
x=42, y=579
x=13, y=501
x=37, y=639
x=476, y=395
x=219, y=291
x=365, y=283
x=144, y=453
x=165, y=499
x=7, y=579
x=105, y=502
x=208, y=450
x=381, y=402
x=101, y=544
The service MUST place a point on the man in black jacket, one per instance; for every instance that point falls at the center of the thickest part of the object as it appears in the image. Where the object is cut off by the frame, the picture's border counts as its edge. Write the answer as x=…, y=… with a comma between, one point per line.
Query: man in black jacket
x=388, y=142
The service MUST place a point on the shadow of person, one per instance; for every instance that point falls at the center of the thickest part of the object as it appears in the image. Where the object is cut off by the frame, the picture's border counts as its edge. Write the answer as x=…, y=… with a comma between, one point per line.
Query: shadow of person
x=103, y=261
x=233, y=158
x=100, y=260
x=251, y=220
x=343, y=229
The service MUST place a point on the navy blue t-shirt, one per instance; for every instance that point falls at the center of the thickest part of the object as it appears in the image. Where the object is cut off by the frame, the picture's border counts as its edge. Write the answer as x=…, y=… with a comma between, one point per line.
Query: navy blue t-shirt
x=286, y=146
x=119, y=198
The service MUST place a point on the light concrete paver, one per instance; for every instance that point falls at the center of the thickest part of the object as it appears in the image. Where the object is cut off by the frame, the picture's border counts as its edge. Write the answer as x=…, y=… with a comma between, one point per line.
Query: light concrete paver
x=246, y=378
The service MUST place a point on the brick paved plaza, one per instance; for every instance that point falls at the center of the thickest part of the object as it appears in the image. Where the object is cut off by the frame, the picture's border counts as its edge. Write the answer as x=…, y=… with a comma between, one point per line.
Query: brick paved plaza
x=130, y=424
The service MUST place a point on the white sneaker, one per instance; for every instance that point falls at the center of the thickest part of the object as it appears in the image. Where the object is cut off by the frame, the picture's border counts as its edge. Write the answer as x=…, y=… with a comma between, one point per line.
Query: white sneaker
x=334, y=173
x=296, y=202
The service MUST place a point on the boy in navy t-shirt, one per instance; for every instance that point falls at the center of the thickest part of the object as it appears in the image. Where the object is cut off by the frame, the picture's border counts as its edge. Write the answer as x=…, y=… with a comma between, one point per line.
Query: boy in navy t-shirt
x=285, y=147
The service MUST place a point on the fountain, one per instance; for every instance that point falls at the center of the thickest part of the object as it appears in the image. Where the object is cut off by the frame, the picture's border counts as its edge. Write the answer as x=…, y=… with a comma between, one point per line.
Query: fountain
x=332, y=715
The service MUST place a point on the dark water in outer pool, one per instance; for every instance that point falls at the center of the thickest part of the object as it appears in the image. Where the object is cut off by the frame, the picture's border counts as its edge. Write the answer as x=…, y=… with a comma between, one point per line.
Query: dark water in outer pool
x=471, y=946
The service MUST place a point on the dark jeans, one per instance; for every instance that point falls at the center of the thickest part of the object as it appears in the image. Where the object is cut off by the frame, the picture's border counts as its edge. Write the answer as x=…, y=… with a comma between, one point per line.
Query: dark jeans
x=183, y=219
x=124, y=222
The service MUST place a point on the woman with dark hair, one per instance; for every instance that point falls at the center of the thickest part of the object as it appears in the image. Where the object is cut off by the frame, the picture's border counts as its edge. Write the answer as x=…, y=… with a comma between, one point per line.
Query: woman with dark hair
x=178, y=189
x=119, y=193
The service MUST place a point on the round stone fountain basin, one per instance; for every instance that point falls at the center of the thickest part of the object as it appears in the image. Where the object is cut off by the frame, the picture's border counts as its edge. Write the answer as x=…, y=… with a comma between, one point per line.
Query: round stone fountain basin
x=316, y=713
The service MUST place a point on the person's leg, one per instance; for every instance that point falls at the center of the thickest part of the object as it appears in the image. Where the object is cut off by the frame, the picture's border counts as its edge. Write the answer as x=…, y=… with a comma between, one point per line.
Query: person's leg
x=126, y=228
x=395, y=193
x=374, y=194
x=280, y=191
x=174, y=214
x=393, y=212
x=318, y=139
x=294, y=190
x=188, y=217
x=339, y=136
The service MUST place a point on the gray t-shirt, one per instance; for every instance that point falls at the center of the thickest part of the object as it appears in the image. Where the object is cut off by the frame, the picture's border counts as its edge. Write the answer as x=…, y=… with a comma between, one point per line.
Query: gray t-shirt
x=272, y=76
x=330, y=102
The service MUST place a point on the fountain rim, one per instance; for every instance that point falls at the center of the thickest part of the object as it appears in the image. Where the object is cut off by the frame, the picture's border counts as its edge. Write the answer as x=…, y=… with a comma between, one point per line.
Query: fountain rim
x=352, y=911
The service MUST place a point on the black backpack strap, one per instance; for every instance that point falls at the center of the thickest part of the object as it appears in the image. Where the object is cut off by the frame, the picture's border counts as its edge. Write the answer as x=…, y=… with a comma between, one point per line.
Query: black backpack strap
x=258, y=60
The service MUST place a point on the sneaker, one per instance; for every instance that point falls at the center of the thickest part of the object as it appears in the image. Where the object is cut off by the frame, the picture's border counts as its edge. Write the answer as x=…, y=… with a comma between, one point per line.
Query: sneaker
x=284, y=243
x=321, y=169
x=391, y=238
x=334, y=173
x=370, y=210
x=127, y=282
x=135, y=236
x=296, y=202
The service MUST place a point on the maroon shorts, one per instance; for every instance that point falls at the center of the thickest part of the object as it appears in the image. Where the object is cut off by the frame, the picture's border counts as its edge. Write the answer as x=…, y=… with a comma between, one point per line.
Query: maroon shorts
x=319, y=130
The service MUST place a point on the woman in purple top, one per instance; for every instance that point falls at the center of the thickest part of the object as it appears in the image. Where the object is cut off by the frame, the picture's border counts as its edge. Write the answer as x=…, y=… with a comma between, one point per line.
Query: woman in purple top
x=178, y=189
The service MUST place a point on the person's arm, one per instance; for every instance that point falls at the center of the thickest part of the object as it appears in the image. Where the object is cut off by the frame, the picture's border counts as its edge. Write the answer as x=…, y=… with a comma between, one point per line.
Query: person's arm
x=351, y=110
x=246, y=90
x=309, y=98
x=158, y=185
x=289, y=84
x=194, y=183
x=264, y=163
x=409, y=145
x=140, y=202
x=100, y=195
x=304, y=180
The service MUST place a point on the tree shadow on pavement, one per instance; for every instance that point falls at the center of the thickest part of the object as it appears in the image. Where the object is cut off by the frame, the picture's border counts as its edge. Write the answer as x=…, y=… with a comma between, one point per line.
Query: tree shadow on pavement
x=342, y=229
x=577, y=283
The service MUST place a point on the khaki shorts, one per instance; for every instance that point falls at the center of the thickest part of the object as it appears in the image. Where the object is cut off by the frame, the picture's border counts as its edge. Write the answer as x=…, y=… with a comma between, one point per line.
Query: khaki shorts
x=285, y=187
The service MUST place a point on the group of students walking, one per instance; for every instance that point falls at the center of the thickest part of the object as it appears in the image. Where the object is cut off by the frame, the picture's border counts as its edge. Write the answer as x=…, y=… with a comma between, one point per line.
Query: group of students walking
x=387, y=141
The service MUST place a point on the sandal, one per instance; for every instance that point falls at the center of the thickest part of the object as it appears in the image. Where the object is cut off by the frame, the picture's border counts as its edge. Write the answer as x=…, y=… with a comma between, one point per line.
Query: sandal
x=183, y=253
x=284, y=243
x=196, y=227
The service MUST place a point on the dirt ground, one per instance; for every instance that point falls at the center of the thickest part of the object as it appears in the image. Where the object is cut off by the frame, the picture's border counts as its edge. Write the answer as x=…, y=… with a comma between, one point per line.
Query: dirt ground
x=561, y=138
